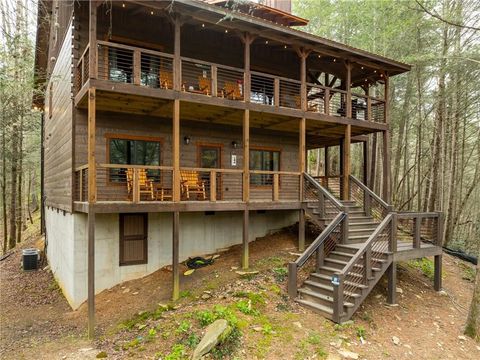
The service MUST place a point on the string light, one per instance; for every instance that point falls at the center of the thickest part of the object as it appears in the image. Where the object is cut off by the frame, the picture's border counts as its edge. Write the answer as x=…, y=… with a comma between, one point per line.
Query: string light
x=363, y=68
x=266, y=41
x=334, y=60
x=151, y=12
x=203, y=25
x=319, y=56
x=123, y=4
x=375, y=71
x=226, y=31
x=285, y=46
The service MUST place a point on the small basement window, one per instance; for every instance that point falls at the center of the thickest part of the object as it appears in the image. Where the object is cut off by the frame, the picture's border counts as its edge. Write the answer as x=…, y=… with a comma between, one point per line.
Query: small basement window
x=133, y=239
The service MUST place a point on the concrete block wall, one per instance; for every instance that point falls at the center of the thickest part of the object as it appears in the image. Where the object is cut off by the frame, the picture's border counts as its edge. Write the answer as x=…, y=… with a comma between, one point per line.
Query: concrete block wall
x=200, y=234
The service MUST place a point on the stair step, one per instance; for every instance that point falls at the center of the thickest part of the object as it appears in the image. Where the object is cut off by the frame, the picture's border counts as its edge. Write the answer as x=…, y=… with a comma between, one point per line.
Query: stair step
x=341, y=255
x=329, y=279
x=325, y=298
x=365, y=225
x=346, y=249
x=323, y=310
x=328, y=288
x=336, y=261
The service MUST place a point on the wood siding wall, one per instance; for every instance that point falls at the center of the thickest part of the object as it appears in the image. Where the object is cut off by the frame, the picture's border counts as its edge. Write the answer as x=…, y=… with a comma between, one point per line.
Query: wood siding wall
x=58, y=130
x=199, y=133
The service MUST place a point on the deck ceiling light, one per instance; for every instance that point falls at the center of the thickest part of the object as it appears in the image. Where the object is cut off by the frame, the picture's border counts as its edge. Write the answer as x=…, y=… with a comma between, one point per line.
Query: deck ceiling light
x=123, y=4
x=363, y=68
x=266, y=41
x=375, y=71
x=334, y=60
x=226, y=31
x=319, y=56
x=203, y=25
x=151, y=12
x=285, y=46
x=186, y=140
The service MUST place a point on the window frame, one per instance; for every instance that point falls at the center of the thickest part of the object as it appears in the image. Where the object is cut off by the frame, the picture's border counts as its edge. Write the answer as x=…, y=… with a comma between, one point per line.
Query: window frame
x=121, y=221
x=110, y=136
x=263, y=148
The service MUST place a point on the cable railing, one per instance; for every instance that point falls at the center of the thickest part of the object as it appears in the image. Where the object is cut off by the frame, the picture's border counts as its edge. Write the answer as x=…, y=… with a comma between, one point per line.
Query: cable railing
x=372, y=204
x=154, y=69
x=419, y=229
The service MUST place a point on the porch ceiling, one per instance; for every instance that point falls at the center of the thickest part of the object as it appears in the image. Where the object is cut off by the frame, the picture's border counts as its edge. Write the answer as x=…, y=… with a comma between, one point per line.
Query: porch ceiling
x=319, y=133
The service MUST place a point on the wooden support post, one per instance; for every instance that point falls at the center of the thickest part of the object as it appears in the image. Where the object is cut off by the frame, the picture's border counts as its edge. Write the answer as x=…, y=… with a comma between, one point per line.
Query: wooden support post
x=365, y=162
x=247, y=40
x=91, y=272
x=386, y=113
x=80, y=185
x=92, y=165
x=369, y=109
x=440, y=224
x=392, y=283
x=292, y=280
x=276, y=92
x=213, y=185
x=246, y=155
x=320, y=255
x=437, y=281
x=342, y=167
x=301, y=230
x=346, y=163
x=302, y=148
x=393, y=235
x=175, y=256
x=214, y=81
x=176, y=150
x=177, y=60
x=367, y=263
x=245, y=242
x=386, y=167
x=276, y=185
x=345, y=227
x=136, y=186
x=137, y=71
x=326, y=104
x=338, y=299
x=92, y=39
x=348, y=85
x=417, y=227
x=326, y=164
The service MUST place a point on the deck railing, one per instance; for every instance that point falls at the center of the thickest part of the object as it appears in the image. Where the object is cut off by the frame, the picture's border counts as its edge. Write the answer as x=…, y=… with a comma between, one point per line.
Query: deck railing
x=372, y=204
x=142, y=183
x=417, y=228
x=154, y=69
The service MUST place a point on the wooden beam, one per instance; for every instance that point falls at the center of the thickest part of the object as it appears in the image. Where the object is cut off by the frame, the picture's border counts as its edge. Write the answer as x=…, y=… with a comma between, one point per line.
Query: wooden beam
x=91, y=272
x=92, y=39
x=246, y=155
x=247, y=40
x=301, y=230
x=348, y=83
x=92, y=168
x=386, y=95
x=346, y=162
x=326, y=163
x=177, y=61
x=176, y=150
x=175, y=256
x=366, y=161
x=437, y=281
x=245, y=242
x=386, y=167
x=392, y=283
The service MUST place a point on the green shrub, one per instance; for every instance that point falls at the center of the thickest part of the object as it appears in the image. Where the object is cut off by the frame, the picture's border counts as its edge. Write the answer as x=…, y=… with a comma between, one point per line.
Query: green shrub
x=280, y=274
x=245, y=306
x=178, y=353
x=425, y=265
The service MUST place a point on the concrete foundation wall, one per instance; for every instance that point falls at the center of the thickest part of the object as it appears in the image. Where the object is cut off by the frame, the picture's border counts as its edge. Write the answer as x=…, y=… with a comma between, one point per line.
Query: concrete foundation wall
x=200, y=234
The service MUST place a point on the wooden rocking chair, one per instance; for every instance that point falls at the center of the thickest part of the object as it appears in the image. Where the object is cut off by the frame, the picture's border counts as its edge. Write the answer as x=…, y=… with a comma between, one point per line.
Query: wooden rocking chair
x=145, y=185
x=192, y=184
x=205, y=85
x=166, y=80
x=231, y=90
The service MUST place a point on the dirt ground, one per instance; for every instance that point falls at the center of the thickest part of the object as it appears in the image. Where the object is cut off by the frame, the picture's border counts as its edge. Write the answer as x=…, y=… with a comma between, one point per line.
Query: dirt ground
x=37, y=323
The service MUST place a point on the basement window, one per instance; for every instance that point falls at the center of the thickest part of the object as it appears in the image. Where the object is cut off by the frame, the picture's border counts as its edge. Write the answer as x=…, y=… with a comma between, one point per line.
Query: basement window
x=133, y=239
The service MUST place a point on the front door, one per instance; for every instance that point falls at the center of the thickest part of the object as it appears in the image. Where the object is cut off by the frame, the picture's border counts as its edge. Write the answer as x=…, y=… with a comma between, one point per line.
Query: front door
x=210, y=157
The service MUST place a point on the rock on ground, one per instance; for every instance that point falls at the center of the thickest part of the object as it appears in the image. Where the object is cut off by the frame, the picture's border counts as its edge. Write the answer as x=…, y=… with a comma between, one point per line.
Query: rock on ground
x=214, y=334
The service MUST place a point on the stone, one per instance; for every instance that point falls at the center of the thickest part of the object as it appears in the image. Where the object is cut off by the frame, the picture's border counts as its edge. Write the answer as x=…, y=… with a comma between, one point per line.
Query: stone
x=214, y=334
x=298, y=324
x=127, y=290
x=336, y=344
x=396, y=340
x=257, y=328
x=135, y=293
x=462, y=338
x=333, y=357
x=102, y=355
x=399, y=290
x=348, y=354
x=206, y=296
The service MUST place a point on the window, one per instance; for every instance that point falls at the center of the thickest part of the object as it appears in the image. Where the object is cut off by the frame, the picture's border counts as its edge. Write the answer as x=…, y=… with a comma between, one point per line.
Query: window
x=133, y=239
x=132, y=151
x=266, y=160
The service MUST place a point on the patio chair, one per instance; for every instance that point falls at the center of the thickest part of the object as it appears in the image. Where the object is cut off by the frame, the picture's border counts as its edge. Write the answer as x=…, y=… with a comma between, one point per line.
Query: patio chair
x=166, y=80
x=205, y=85
x=231, y=90
x=192, y=184
x=145, y=185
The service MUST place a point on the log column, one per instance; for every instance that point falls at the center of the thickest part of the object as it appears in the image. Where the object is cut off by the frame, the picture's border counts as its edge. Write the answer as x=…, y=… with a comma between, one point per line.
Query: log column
x=386, y=149
x=346, y=162
x=92, y=171
x=247, y=40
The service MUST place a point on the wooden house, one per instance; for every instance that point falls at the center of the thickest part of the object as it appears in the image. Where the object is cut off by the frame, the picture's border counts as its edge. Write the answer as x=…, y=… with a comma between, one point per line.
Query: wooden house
x=175, y=128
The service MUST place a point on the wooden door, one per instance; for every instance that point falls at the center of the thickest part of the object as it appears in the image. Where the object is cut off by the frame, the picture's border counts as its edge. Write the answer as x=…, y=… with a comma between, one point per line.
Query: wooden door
x=210, y=157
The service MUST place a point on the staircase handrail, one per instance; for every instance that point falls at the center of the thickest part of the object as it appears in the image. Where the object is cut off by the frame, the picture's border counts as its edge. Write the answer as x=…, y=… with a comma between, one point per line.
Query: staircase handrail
x=370, y=192
x=325, y=192
x=314, y=247
x=346, y=269
x=302, y=259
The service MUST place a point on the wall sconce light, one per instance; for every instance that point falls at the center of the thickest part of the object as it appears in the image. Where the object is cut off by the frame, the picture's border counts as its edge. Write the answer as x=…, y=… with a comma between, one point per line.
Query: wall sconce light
x=186, y=140
x=234, y=144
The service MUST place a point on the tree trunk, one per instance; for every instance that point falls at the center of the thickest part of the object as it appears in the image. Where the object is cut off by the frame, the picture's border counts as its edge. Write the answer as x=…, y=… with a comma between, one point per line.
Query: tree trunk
x=20, y=181
x=4, y=192
x=13, y=191
x=472, y=327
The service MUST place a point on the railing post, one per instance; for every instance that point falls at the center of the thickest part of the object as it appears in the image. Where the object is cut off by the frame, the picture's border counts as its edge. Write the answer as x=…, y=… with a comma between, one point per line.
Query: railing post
x=214, y=81
x=81, y=185
x=338, y=298
x=276, y=92
x=367, y=203
x=345, y=227
x=327, y=103
x=320, y=257
x=137, y=71
x=213, y=185
x=392, y=246
x=321, y=206
x=367, y=263
x=275, y=187
x=369, y=109
x=292, y=280
x=440, y=224
x=136, y=186
x=416, y=232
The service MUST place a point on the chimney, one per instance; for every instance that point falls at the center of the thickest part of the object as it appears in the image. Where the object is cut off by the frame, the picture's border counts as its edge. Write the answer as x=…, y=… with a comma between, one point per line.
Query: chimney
x=284, y=5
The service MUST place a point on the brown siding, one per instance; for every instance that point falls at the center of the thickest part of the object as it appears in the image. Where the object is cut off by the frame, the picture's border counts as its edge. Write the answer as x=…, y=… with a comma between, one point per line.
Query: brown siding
x=200, y=133
x=58, y=131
